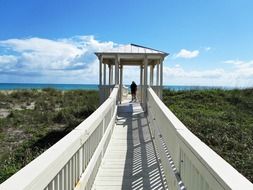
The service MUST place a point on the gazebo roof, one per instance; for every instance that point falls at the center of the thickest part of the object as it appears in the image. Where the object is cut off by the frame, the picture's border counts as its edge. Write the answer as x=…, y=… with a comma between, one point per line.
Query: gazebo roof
x=132, y=49
x=131, y=54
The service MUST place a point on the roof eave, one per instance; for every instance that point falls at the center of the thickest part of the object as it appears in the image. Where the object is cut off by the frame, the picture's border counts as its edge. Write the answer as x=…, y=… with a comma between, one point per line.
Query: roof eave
x=115, y=53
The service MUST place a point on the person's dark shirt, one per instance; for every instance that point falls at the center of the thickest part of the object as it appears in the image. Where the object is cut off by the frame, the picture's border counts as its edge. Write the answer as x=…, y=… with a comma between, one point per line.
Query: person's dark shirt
x=133, y=87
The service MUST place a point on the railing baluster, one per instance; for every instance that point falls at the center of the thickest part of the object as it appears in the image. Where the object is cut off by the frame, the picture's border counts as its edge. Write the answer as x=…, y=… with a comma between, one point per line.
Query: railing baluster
x=83, y=157
x=77, y=165
x=87, y=153
x=67, y=177
x=50, y=186
x=76, y=168
x=61, y=179
x=89, y=149
x=55, y=185
x=71, y=173
x=81, y=162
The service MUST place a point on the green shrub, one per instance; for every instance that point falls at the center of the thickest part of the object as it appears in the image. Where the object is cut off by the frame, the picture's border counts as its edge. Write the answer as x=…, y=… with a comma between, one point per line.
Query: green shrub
x=222, y=119
x=56, y=113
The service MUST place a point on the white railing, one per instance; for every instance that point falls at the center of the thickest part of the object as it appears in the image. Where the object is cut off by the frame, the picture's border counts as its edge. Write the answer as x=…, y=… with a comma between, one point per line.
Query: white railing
x=72, y=163
x=189, y=159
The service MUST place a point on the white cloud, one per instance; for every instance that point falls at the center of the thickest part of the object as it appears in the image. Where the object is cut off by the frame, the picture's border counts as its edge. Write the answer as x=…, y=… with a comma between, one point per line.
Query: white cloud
x=37, y=53
x=187, y=54
x=7, y=62
x=239, y=75
x=179, y=72
x=7, y=59
x=242, y=69
x=63, y=59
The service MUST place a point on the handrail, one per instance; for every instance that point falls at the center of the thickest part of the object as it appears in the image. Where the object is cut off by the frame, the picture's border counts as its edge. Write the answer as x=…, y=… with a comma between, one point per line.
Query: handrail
x=72, y=163
x=197, y=165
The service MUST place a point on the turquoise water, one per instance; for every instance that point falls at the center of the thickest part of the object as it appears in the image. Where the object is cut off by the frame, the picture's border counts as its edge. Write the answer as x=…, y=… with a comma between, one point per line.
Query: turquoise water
x=15, y=86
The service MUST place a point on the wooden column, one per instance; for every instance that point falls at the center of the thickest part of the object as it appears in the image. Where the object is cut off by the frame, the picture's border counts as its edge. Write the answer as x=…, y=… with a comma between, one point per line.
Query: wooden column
x=101, y=89
x=161, y=72
x=110, y=74
x=116, y=70
x=161, y=78
x=121, y=82
x=145, y=82
x=157, y=74
x=100, y=70
x=141, y=84
x=104, y=74
x=151, y=75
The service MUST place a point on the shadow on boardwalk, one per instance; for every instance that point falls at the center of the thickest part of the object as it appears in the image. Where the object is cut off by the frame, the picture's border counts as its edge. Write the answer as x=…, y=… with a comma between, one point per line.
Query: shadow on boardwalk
x=141, y=169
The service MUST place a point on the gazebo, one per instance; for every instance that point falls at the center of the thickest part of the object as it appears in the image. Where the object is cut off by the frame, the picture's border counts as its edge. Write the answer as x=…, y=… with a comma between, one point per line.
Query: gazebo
x=113, y=62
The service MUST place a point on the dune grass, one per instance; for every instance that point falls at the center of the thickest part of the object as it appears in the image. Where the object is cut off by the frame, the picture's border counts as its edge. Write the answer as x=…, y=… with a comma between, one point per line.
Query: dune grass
x=36, y=119
x=223, y=119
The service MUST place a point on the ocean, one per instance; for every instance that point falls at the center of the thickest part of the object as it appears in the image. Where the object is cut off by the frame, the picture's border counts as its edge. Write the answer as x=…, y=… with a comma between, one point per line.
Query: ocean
x=15, y=86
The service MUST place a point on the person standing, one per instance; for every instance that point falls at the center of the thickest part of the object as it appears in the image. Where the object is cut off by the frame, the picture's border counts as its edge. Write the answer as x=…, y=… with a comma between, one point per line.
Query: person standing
x=133, y=88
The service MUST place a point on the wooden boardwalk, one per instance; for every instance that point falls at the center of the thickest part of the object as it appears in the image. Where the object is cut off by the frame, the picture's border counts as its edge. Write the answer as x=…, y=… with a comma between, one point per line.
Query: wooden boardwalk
x=130, y=161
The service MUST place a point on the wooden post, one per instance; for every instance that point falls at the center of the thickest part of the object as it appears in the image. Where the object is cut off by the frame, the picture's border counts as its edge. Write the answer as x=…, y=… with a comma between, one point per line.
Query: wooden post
x=101, y=90
x=145, y=82
x=161, y=72
x=161, y=78
x=141, y=84
x=157, y=74
x=116, y=70
x=110, y=74
x=151, y=75
x=105, y=93
x=121, y=82
x=100, y=70
x=104, y=74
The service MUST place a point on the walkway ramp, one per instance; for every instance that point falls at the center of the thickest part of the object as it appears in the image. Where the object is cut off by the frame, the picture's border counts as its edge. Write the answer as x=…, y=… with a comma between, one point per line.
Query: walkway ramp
x=130, y=161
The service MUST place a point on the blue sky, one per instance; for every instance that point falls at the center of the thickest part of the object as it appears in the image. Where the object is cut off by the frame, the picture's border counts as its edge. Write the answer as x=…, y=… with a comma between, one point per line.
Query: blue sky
x=51, y=41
